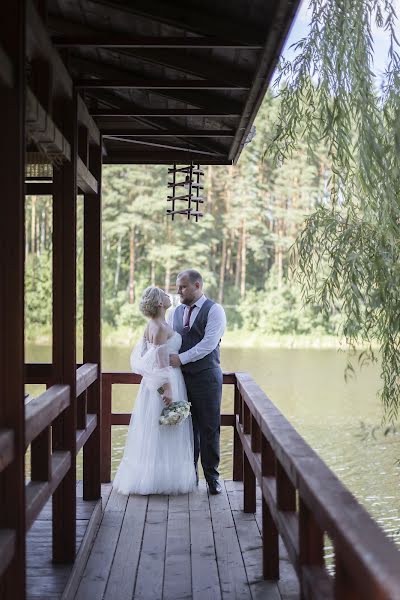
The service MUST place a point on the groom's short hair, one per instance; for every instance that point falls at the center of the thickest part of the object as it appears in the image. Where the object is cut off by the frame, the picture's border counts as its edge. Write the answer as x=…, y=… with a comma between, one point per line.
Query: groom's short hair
x=192, y=275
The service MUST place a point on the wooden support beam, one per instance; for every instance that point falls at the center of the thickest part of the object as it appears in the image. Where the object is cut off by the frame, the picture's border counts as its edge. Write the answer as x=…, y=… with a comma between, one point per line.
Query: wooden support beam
x=156, y=84
x=218, y=69
x=151, y=143
x=161, y=112
x=39, y=189
x=64, y=333
x=12, y=249
x=7, y=548
x=106, y=71
x=38, y=44
x=85, y=180
x=189, y=19
x=86, y=120
x=122, y=41
x=42, y=129
x=220, y=133
x=6, y=448
x=6, y=70
x=38, y=373
x=161, y=158
x=40, y=412
x=92, y=238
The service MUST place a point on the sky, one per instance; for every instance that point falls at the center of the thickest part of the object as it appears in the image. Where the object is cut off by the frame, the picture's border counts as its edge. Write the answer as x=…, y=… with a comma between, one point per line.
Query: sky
x=381, y=38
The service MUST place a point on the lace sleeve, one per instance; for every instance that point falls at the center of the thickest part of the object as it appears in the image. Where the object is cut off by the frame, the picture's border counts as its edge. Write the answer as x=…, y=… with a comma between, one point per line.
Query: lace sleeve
x=152, y=362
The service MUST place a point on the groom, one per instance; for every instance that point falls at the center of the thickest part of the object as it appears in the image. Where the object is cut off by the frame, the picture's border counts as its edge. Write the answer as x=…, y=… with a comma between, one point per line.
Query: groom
x=201, y=323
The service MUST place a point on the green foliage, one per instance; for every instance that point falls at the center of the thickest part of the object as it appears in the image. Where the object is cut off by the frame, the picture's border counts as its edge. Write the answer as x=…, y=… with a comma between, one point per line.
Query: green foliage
x=347, y=255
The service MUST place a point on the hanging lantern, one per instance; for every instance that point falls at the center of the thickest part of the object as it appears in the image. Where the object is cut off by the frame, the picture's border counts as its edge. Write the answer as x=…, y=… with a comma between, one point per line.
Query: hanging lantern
x=187, y=190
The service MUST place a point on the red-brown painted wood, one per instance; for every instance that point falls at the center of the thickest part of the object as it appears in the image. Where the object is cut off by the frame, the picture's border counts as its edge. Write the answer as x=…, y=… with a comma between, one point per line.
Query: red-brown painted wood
x=12, y=250
x=92, y=325
x=64, y=331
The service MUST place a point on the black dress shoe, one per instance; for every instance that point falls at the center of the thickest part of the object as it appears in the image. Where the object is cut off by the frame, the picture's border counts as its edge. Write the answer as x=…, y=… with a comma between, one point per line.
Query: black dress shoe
x=214, y=486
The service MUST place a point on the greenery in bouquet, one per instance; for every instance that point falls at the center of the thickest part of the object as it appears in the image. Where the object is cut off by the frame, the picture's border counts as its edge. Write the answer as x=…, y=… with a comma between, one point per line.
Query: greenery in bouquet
x=175, y=413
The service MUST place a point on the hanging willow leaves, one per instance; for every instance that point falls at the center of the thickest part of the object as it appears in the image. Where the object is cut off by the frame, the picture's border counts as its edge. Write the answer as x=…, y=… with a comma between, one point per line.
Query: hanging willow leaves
x=348, y=254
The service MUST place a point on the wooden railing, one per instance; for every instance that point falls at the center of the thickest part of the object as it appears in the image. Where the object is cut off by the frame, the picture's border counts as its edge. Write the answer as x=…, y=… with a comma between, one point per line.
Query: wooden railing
x=109, y=418
x=49, y=467
x=301, y=499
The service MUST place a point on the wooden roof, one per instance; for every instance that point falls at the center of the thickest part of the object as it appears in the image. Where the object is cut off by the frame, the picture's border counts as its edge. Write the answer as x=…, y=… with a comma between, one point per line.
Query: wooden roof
x=171, y=81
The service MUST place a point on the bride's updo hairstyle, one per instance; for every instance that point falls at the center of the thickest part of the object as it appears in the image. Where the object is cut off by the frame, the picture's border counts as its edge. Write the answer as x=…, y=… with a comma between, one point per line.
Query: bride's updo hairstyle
x=150, y=301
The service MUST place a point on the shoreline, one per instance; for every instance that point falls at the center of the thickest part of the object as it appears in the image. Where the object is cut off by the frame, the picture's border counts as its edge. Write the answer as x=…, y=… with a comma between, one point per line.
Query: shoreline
x=231, y=339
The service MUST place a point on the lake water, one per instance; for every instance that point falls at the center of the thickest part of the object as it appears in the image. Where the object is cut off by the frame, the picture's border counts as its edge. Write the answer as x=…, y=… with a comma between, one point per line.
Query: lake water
x=341, y=421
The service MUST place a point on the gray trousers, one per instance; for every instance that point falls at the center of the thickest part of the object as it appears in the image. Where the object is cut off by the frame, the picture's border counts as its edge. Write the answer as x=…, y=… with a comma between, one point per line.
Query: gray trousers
x=204, y=391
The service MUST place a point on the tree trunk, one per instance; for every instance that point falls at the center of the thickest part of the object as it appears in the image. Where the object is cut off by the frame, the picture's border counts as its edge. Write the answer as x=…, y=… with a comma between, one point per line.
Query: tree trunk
x=279, y=254
x=228, y=267
x=118, y=264
x=33, y=224
x=243, y=262
x=167, y=276
x=43, y=230
x=238, y=259
x=37, y=234
x=222, y=269
x=132, y=266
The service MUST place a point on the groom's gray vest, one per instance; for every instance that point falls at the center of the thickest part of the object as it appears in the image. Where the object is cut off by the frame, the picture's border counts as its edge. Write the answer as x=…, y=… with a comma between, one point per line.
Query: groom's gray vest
x=193, y=336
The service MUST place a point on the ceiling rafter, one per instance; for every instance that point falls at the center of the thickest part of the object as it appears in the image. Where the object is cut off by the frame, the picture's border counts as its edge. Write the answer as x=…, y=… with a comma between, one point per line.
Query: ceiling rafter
x=216, y=68
x=130, y=111
x=133, y=82
x=177, y=132
x=104, y=40
x=111, y=100
x=187, y=18
x=200, y=99
x=167, y=146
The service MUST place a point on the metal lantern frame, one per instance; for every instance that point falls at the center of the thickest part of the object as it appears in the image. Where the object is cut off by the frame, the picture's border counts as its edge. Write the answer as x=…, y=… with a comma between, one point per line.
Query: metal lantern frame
x=194, y=195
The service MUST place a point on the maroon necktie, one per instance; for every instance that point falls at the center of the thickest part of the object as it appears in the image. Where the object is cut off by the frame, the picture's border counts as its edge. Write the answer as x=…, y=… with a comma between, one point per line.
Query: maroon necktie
x=187, y=322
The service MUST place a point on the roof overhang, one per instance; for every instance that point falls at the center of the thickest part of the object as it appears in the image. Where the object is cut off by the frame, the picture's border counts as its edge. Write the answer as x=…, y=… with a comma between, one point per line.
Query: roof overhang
x=171, y=81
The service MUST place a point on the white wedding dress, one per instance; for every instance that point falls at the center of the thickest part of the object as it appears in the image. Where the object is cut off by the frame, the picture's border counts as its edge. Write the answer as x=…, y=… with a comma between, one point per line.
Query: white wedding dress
x=158, y=459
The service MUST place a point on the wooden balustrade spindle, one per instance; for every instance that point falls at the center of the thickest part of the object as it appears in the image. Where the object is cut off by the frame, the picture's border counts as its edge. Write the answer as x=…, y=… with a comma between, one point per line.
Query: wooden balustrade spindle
x=106, y=429
x=237, y=444
x=270, y=534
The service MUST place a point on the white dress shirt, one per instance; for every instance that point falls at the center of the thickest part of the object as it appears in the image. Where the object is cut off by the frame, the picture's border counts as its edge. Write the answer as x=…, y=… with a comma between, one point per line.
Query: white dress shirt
x=215, y=328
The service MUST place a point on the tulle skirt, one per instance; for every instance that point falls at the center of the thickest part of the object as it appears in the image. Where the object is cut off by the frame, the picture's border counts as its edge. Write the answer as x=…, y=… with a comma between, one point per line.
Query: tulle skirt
x=158, y=459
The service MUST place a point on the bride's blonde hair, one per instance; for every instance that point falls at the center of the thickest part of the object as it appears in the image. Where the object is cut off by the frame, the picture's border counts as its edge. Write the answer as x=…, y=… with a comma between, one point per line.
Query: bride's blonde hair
x=150, y=302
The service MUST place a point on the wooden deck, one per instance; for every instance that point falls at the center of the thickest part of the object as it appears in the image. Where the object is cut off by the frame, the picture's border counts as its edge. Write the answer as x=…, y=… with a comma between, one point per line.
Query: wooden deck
x=153, y=547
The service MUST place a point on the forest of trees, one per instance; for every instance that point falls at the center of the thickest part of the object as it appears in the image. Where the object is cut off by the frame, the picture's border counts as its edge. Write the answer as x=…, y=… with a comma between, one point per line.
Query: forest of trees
x=253, y=213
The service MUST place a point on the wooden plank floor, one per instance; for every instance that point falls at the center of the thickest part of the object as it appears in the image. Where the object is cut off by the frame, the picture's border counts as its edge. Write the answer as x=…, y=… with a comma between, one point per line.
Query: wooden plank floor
x=45, y=580
x=181, y=547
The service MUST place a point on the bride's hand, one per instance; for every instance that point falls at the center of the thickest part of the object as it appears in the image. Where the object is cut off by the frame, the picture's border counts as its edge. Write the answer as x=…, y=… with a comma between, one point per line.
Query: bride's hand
x=167, y=400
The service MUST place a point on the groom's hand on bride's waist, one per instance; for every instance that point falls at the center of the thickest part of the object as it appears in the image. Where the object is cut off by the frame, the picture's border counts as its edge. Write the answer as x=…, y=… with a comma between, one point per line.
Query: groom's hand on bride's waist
x=174, y=360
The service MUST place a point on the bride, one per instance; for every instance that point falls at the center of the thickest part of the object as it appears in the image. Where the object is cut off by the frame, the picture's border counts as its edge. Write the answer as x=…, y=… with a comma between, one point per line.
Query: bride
x=158, y=459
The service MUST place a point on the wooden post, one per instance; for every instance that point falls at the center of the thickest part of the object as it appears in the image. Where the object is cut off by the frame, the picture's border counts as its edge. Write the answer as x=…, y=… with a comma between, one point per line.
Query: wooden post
x=269, y=530
x=249, y=486
x=92, y=326
x=106, y=404
x=64, y=332
x=12, y=249
x=311, y=540
x=237, y=444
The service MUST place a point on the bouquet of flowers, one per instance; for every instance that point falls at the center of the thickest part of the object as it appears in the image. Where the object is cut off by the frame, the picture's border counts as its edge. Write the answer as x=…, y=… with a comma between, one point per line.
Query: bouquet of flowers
x=175, y=413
